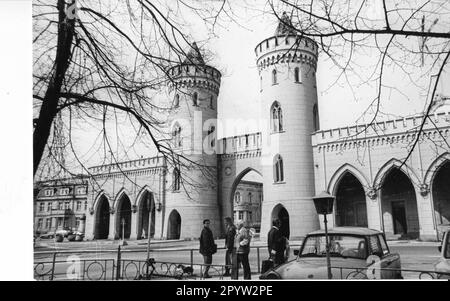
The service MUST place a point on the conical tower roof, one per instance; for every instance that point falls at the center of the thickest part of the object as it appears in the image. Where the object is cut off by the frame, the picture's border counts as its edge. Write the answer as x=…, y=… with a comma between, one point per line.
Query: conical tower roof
x=194, y=56
x=285, y=26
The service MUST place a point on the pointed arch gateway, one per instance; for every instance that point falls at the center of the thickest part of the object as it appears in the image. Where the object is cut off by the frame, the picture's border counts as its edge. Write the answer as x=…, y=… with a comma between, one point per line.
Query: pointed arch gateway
x=399, y=205
x=280, y=212
x=101, y=228
x=351, y=208
x=174, y=225
x=146, y=203
x=123, y=217
x=441, y=194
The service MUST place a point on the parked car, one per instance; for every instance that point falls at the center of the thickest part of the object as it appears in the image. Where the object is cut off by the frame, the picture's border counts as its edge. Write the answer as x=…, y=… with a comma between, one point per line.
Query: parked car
x=63, y=231
x=47, y=235
x=443, y=264
x=354, y=253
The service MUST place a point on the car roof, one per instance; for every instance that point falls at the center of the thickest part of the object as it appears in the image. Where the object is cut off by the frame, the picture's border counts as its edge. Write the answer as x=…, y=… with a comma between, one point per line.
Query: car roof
x=347, y=230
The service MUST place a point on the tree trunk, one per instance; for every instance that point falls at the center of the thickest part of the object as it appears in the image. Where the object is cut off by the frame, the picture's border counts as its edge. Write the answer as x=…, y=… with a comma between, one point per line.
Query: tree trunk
x=48, y=110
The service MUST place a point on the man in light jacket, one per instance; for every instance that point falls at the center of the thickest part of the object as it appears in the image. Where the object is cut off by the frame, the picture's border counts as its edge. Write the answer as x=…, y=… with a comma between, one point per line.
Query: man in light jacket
x=242, y=244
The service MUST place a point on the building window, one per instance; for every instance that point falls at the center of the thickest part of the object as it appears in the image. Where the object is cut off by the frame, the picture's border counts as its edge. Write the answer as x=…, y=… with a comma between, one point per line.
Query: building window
x=49, y=206
x=211, y=138
x=241, y=215
x=297, y=74
x=77, y=223
x=176, y=134
x=78, y=205
x=316, y=117
x=41, y=207
x=276, y=117
x=48, y=223
x=237, y=197
x=278, y=175
x=66, y=205
x=250, y=217
x=81, y=190
x=60, y=205
x=85, y=205
x=195, y=99
x=64, y=191
x=49, y=192
x=60, y=221
x=211, y=102
x=176, y=179
x=40, y=223
x=176, y=101
x=274, y=77
x=250, y=197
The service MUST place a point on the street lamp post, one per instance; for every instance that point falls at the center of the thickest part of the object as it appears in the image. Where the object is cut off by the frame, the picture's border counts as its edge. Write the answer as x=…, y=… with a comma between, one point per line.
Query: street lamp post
x=324, y=205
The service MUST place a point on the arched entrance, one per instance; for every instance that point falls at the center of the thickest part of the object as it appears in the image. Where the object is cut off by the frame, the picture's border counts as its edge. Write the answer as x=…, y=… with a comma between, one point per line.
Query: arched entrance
x=399, y=206
x=123, y=219
x=351, y=207
x=102, y=219
x=282, y=214
x=247, y=197
x=145, y=203
x=174, y=226
x=441, y=194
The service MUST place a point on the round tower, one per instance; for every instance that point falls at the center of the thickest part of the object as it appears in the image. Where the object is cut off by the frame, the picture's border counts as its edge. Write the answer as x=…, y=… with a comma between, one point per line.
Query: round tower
x=287, y=65
x=191, y=187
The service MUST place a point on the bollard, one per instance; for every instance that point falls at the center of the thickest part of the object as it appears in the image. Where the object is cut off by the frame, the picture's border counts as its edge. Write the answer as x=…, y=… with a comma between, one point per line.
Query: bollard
x=259, y=261
x=118, y=264
x=53, y=266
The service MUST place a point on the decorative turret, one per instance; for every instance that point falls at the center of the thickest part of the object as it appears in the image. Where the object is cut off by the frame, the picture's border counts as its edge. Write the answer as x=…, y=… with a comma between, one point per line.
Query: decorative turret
x=287, y=64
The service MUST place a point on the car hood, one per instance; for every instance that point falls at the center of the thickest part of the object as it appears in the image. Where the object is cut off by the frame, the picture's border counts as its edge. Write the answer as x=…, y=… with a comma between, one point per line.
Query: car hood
x=316, y=268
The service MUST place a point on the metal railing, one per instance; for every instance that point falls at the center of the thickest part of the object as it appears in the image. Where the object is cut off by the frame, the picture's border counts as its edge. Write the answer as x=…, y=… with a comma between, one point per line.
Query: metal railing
x=373, y=272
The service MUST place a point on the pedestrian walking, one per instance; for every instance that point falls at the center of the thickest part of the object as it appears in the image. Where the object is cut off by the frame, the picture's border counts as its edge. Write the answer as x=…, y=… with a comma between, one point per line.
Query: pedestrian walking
x=207, y=247
x=242, y=243
x=276, y=243
x=229, y=244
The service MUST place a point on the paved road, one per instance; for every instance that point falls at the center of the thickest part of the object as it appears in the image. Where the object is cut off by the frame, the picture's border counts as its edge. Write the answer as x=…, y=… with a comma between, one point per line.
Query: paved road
x=417, y=256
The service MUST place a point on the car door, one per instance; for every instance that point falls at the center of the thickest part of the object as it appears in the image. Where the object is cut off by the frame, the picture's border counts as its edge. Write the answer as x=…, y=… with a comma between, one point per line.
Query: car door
x=388, y=264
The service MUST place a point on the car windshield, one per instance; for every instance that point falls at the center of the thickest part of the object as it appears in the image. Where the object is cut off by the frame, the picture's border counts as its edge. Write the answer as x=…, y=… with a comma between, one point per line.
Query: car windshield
x=340, y=246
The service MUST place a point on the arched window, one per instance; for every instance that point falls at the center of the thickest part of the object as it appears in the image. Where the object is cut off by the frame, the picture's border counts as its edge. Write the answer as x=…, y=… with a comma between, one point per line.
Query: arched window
x=276, y=117
x=250, y=197
x=211, y=138
x=278, y=175
x=176, y=101
x=176, y=136
x=237, y=197
x=195, y=99
x=274, y=77
x=176, y=179
x=316, y=117
x=297, y=74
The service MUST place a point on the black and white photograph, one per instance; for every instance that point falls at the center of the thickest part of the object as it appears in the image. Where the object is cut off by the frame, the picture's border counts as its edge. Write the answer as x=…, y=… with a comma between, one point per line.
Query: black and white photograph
x=225, y=140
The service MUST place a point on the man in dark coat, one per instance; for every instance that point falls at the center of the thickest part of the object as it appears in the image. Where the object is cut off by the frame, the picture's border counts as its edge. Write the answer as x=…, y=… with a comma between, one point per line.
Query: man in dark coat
x=276, y=243
x=229, y=244
x=207, y=247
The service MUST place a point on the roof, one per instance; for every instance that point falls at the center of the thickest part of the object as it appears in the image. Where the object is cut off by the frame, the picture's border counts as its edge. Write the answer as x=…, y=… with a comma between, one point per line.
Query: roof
x=347, y=230
x=285, y=26
x=194, y=56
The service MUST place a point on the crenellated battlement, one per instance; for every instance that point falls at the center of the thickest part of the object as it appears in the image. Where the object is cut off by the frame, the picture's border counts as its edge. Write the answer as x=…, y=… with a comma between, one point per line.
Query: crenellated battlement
x=286, y=49
x=402, y=129
x=239, y=144
x=201, y=76
x=144, y=163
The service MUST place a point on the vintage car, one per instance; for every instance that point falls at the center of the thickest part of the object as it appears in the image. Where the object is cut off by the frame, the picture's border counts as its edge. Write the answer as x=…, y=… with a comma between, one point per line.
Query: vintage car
x=355, y=253
x=443, y=264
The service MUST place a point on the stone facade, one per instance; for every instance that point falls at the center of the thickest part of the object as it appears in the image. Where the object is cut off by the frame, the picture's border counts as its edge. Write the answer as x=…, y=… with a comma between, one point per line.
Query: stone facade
x=361, y=165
